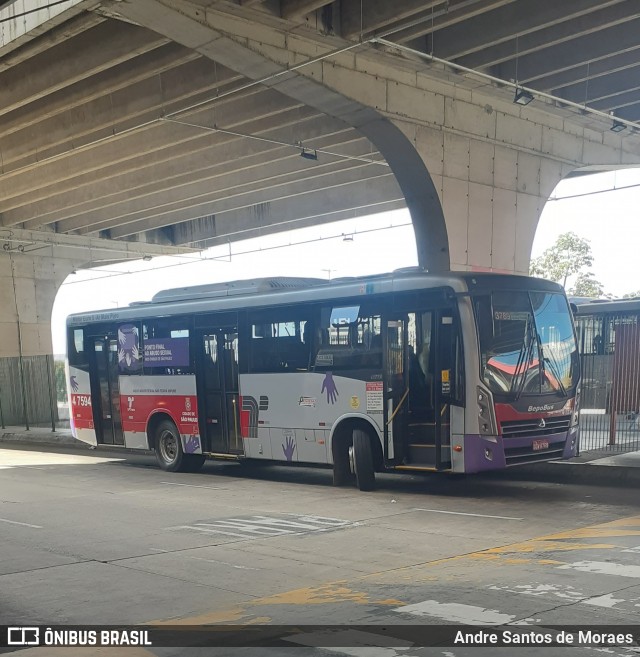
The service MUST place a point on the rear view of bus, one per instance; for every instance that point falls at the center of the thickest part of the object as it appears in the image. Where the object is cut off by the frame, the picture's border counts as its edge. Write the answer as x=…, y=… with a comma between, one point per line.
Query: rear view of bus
x=528, y=374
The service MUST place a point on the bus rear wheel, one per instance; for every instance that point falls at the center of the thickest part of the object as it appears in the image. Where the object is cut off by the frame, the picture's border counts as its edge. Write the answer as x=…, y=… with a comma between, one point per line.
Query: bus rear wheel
x=168, y=446
x=363, y=460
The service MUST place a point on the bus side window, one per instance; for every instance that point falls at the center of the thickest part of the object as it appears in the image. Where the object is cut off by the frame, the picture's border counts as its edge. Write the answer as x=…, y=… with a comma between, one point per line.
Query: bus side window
x=351, y=338
x=280, y=342
x=75, y=348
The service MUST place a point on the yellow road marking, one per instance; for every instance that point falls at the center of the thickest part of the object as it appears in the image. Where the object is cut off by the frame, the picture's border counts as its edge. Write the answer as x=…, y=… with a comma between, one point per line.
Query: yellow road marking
x=340, y=591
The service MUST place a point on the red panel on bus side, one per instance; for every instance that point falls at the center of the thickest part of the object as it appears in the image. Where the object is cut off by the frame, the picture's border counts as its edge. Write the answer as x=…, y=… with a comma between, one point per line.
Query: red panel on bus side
x=136, y=411
x=81, y=411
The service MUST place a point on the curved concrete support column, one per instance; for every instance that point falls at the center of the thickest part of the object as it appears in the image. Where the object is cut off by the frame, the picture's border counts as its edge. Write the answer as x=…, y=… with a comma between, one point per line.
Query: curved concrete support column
x=492, y=196
x=421, y=196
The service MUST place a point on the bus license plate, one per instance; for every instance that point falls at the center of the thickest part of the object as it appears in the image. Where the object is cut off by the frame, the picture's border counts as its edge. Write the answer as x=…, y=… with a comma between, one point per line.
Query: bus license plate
x=540, y=444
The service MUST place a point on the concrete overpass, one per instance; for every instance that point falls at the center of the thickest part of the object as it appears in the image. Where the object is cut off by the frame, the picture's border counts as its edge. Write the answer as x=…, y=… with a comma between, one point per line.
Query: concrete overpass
x=139, y=128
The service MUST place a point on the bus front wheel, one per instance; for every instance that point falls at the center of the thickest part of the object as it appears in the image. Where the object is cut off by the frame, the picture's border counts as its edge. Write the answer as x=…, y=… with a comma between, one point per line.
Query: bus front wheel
x=363, y=460
x=168, y=446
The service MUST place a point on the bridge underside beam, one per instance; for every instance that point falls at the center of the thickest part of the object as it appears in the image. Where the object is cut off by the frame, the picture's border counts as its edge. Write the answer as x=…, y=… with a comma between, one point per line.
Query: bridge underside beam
x=406, y=164
x=151, y=133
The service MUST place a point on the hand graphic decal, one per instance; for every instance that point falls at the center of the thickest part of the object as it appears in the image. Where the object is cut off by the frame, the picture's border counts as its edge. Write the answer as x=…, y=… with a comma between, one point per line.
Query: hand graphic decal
x=289, y=449
x=329, y=385
x=74, y=383
x=129, y=356
x=192, y=445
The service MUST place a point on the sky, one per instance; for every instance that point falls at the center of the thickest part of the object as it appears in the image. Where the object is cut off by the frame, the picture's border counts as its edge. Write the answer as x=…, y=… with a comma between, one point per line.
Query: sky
x=610, y=220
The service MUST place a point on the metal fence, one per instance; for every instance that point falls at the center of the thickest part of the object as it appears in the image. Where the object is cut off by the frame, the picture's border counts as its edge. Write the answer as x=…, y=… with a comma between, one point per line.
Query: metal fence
x=610, y=399
x=33, y=392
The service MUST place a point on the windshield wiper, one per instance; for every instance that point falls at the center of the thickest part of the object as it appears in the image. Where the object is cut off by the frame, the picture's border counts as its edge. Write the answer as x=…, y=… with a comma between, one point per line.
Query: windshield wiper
x=553, y=366
x=524, y=358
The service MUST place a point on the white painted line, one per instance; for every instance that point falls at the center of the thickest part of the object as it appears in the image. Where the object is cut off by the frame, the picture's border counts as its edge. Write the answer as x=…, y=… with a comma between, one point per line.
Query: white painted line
x=224, y=563
x=455, y=612
x=459, y=513
x=603, y=568
x=173, y=483
x=23, y=524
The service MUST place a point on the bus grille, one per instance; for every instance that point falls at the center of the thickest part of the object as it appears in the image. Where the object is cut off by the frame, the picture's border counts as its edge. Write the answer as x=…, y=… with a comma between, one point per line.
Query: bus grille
x=524, y=455
x=525, y=428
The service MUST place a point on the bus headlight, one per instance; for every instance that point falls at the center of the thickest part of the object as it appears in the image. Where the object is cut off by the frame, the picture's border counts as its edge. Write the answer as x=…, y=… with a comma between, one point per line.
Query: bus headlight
x=576, y=408
x=486, y=419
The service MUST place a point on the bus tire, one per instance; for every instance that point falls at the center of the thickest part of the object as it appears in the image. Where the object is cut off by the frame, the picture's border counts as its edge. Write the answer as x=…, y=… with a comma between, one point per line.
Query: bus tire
x=363, y=461
x=342, y=474
x=168, y=448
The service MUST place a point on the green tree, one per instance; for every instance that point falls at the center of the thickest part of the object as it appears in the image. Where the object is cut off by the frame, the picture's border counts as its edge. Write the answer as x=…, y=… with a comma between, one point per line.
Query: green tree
x=570, y=255
x=631, y=295
x=569, y=259
x=587, y=286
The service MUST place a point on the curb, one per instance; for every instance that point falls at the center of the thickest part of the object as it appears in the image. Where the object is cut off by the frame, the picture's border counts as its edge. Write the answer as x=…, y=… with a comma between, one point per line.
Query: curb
x=58, y=439
x=589, y=473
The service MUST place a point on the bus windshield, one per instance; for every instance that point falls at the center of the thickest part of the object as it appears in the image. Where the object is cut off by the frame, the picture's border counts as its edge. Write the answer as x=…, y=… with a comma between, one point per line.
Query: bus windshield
x=527, y=343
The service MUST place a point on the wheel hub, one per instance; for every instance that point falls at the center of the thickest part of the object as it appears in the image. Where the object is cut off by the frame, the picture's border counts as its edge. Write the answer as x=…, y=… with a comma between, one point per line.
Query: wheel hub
x=168, y=446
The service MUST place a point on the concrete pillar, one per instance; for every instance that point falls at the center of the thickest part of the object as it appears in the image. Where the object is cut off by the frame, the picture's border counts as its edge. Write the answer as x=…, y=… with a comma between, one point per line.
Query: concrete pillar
x=28, y=286
x=491, y=195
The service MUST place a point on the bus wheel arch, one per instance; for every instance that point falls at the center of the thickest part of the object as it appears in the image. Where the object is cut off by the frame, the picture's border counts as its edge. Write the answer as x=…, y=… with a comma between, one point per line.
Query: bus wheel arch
x=165, y=439
x=342, y=448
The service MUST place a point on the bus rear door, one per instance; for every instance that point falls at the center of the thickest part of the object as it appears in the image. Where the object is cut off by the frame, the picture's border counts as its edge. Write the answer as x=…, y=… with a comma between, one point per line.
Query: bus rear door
x=218, y=396
x=105, y=392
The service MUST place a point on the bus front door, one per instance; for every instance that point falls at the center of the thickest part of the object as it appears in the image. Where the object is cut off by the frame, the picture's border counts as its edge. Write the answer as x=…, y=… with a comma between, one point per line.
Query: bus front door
x=395, y=389
x=432, y=352
x=105, y=398
x=445, y=385
x=218, y=386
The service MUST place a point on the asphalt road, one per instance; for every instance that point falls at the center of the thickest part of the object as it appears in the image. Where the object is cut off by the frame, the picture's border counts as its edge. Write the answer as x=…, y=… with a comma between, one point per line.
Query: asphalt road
x=107, y=538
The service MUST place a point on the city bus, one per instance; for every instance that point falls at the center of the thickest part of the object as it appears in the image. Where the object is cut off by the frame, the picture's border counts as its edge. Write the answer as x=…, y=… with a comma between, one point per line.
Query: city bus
x=408, y=371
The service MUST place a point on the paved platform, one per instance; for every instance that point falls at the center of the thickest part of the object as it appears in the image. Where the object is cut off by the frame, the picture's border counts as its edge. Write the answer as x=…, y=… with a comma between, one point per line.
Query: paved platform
x=597, y=467
x=104, y=536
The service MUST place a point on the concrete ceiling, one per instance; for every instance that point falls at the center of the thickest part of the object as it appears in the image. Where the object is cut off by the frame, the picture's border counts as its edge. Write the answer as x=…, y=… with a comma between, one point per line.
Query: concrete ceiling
x=111, y=130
